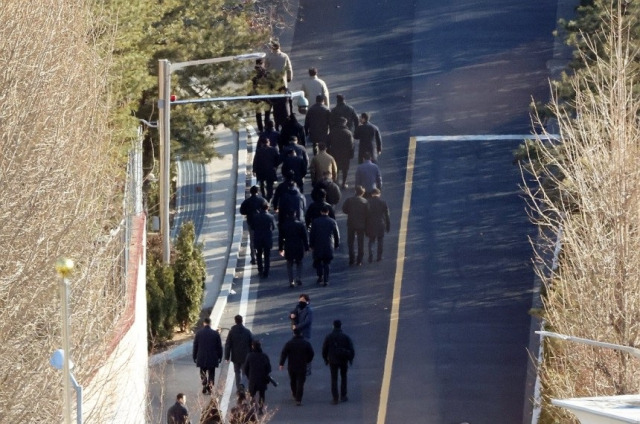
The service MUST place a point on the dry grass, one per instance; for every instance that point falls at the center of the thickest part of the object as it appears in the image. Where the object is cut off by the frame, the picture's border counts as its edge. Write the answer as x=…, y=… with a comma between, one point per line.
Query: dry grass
x=594, y=292
x=58, y=188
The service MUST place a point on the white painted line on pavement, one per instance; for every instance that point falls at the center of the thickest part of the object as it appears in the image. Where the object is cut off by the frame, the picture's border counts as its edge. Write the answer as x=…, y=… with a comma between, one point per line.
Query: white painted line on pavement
x=486, y=137
x=246, y=278
x=244, y=301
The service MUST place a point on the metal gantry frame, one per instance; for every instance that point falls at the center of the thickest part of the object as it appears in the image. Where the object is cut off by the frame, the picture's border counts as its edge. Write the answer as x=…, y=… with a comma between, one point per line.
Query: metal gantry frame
x=165, y=68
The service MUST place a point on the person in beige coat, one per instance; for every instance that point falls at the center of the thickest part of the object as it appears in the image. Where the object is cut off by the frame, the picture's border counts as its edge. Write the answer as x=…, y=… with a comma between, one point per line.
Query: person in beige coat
x=322, y=162
x=314, y=86
x=278, y=63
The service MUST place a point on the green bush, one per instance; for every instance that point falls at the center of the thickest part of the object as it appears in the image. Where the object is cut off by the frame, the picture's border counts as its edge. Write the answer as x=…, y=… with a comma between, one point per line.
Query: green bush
x=161, y=298
x=189, y=275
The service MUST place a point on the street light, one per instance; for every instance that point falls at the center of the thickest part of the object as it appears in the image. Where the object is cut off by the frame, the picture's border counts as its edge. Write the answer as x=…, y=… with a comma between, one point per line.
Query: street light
x=57, y=361
x=64, y=267
x=165, y=68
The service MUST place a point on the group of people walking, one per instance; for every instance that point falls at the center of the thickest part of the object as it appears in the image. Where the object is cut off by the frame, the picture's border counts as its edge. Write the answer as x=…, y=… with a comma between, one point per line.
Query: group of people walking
x=252, y=366
x=303, y=227
x=277, y=203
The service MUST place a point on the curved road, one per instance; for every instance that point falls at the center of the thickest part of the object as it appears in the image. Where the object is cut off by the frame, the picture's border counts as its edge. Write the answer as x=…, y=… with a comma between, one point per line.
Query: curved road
x=464, y=282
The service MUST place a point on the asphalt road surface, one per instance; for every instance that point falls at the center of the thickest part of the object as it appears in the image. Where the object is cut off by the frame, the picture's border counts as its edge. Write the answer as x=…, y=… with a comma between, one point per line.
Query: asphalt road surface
x=464, y=283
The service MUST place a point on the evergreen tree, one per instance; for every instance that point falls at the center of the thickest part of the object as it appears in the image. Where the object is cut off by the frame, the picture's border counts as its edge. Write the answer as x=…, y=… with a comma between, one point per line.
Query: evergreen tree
x=189, y=276
x=161, y=297
x=135, y=35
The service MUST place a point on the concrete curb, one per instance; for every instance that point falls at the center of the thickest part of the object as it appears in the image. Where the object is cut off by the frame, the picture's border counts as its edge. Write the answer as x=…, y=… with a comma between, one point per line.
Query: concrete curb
x=220, y=304
x=240, y=183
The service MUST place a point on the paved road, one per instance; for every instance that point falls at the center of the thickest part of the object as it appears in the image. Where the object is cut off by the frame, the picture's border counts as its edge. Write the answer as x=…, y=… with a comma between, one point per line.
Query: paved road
x=427, y=68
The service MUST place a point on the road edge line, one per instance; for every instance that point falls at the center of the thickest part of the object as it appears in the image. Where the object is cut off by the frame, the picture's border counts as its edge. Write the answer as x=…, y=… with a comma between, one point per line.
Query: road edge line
x=397, y=285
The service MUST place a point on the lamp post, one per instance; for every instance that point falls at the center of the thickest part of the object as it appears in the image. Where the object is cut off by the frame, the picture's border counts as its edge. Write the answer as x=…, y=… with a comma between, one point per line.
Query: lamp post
x=57, y=361
x=165, y=68
x=64, y=267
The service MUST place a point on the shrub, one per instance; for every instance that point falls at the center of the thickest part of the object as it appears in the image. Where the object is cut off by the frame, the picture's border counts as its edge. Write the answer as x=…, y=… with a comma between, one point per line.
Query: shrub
x=189, y=276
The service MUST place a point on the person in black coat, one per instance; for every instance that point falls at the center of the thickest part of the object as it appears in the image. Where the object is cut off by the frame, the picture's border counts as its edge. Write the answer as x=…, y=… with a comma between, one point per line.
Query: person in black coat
x=280, y=190
x=316, y=123
x=378, y=223
x=291, y=201
x=237, y=347
x=294, y=163
x=177, y=413
x=250, y=208
x=257, y=367
x=265, y=164
x=338, y=353
x=369, y=140
x=343, y=110
x=323, y=239
x=293, y=242
x=299, y=352
x=319, y=197
x=207, y=354
x=270, y=134
x=331, y=189
x=292, y=128
x=341, y=147
x=281, y=108
x=261, y=84
x=302, y=316
x=356, y=208
x=263, y=225
x=301, y=152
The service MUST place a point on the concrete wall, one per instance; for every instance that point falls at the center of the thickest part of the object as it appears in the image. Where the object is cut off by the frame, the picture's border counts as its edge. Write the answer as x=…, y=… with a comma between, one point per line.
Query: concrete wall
x=118, y=391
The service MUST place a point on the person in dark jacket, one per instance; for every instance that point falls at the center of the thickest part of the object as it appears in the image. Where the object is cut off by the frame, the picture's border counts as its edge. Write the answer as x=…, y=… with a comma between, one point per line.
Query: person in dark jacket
x=294, y=163
x=291, y=201
x=300, y=353
x=281, y=189
x=281, y=108
x=207, y=354
x=319, y=197
x=378, y=223
x=292, y=128
x=263, y=225
x=237, y=347
x=301, y=152
x=250, y=208
x=343, y=110
x=356, y=208
x=369, y=140
x=338, y=353
x=323, y=239
x=257, y=367
x=331, y=189
x=265, y=164
x=293, y=242
x=368, y=175
x=302, y=316
x=341, y=148
x=316, y=123
x=177, y=413
x=262, y=83
x=270, y=134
